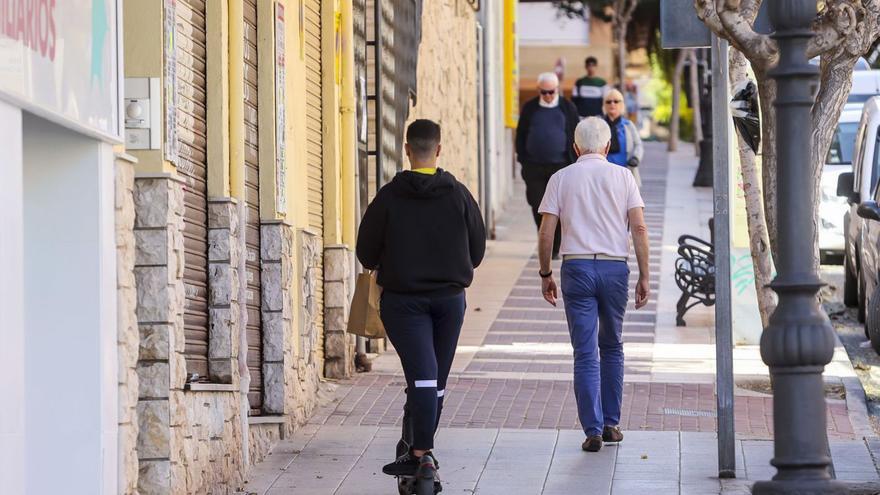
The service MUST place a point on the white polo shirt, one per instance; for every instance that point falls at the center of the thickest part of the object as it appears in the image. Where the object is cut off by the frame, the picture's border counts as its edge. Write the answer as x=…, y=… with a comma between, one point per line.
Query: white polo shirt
x=592, y=198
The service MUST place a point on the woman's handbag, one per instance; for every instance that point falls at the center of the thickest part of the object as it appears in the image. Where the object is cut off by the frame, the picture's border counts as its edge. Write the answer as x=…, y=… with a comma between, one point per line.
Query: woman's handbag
x=363, y=319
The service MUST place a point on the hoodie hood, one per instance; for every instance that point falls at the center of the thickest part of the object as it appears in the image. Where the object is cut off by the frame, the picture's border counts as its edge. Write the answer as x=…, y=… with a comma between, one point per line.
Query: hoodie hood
x=415, y=185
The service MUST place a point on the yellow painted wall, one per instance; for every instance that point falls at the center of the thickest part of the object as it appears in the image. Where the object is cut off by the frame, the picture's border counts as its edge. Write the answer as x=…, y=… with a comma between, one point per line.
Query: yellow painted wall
x=143, y=37
x=331, y=58
x=218, y=100
x=297, y=213
x=268, y=109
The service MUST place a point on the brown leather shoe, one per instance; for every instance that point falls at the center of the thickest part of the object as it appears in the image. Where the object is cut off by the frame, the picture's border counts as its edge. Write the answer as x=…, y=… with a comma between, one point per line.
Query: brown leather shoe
x=592, y=443
x=612, y=434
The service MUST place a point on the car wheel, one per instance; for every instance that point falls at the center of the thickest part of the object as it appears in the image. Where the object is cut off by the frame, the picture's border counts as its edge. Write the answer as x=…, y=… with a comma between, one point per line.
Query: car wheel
x=850, y=284
x=861, y=309
x=872, y=323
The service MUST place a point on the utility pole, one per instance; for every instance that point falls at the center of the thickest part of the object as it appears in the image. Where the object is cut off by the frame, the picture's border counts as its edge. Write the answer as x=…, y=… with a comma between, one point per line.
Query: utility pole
x=721, y=240
x=798, y=342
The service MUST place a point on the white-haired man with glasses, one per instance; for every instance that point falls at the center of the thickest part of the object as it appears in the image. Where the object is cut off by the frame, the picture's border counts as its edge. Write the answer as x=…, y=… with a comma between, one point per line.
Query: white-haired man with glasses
x=599, y=206
x=544, y=141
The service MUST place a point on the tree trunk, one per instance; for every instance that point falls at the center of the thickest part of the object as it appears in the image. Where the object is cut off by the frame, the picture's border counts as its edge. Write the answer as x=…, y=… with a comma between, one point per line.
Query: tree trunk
x=676, y=99
x=621, y=52
x=767, y=95
x=759, y=241
x=695, y=100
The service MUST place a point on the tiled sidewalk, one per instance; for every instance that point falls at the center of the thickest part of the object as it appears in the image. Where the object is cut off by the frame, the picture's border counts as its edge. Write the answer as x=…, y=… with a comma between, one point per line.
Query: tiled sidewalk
x=509, y=423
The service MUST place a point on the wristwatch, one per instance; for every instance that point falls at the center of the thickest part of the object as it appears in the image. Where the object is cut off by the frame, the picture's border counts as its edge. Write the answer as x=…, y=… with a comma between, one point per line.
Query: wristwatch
x=545, y=275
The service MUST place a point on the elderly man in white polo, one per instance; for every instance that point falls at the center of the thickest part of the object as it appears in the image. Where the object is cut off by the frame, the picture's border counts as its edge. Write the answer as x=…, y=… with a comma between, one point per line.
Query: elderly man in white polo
x=597, y=204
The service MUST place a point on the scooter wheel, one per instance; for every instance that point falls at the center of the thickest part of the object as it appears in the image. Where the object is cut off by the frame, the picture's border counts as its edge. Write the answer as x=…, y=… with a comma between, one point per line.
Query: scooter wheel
x=425, y=486
x=405, y=485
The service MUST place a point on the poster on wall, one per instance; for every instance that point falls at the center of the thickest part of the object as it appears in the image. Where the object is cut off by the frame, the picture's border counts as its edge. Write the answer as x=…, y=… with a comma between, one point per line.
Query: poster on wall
x=60, y=59
x=169, y=50
x=280, y=118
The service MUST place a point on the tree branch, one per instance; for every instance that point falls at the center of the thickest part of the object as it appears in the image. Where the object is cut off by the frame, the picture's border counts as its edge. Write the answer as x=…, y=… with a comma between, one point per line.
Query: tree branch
x=737, y=20
x=706, y=12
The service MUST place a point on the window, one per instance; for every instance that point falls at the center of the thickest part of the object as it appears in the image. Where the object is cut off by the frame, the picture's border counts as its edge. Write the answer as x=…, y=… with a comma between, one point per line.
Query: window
x=841, y=150
x=859, y=98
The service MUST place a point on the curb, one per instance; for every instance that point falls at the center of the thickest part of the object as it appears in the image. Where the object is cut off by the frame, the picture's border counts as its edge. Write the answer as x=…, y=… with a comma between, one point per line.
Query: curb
x=857, y=408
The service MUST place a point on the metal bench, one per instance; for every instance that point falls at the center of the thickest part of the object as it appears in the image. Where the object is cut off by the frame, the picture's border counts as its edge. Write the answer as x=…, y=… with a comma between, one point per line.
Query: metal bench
x=694, y=275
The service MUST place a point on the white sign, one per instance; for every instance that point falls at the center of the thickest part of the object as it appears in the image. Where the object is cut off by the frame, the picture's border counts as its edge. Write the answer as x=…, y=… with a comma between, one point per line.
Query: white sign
x=172, y=146
x=60, y=60
x=280, y=122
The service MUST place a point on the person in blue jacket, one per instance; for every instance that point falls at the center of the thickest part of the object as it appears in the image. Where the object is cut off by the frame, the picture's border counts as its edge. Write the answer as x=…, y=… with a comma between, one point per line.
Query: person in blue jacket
x=626, y=144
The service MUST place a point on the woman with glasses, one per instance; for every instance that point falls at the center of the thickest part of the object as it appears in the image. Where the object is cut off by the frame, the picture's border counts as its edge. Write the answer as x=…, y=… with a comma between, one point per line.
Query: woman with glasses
x=626, y=145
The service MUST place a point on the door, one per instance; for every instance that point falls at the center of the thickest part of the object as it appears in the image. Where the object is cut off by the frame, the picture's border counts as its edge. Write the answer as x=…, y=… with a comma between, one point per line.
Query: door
x=253, y=294
x=192, y=134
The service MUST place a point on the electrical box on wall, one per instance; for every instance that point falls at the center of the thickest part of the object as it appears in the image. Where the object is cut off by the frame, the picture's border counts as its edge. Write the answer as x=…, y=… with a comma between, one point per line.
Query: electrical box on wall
x=143, y=107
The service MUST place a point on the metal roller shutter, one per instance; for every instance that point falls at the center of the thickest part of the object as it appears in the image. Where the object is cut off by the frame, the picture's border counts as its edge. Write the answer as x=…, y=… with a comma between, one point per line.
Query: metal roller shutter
x=192, y=165
x=315, y=141
x=252, y=201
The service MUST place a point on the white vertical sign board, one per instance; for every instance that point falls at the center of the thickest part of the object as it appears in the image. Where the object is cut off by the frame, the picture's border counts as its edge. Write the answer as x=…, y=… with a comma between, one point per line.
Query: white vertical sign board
x=170, y=81
x=60, y=59
x=280, y=116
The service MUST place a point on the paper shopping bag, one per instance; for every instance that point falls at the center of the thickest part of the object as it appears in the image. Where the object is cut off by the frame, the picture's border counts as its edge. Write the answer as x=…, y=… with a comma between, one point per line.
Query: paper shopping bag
x=363, y=319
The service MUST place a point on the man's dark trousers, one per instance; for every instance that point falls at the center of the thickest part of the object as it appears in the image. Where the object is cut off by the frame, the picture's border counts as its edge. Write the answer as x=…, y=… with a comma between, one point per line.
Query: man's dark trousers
x=536, y=178
x=424, y=330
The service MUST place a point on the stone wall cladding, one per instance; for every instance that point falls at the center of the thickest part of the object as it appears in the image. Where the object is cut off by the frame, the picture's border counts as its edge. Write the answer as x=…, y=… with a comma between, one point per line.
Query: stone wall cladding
x=224, y=246
x=305, y=375
x=206, y=431
x=447, y=84
x=276, y=244
x=158, y=271
x=127, y=327
x=338, y=288
x=208, y=447
x=262, y=438
x=188, y=441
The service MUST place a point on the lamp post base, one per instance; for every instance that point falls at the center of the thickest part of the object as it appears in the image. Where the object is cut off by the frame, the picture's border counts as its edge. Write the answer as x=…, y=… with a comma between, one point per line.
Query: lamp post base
x=800, y=487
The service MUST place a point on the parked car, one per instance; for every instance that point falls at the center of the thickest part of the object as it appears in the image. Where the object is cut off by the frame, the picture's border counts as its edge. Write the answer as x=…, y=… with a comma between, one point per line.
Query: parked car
x=833, y=208
x=859, y=187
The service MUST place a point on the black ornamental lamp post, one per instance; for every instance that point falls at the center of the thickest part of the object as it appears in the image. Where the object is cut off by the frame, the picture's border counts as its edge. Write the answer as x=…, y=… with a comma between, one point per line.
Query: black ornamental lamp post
x=798, y=341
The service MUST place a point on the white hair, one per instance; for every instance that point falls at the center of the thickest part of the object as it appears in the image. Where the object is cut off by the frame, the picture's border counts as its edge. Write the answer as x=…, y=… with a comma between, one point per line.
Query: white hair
x=592, y=135
x=548, y=77
x=612, y=91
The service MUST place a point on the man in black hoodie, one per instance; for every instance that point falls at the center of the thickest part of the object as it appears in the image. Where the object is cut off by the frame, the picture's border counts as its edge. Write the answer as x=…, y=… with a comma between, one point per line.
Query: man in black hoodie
x=424, y=234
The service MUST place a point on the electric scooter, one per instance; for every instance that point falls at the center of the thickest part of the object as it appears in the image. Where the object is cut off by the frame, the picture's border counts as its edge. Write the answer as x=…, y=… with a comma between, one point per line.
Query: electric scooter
x=426, y=480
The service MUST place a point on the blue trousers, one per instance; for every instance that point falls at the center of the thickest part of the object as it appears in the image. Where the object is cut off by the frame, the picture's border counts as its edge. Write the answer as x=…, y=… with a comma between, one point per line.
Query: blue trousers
x=595, y=294
x=424, y=331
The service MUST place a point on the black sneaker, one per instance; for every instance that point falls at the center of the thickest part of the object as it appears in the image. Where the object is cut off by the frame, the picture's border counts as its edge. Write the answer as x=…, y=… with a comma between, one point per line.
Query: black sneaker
x=405, y=465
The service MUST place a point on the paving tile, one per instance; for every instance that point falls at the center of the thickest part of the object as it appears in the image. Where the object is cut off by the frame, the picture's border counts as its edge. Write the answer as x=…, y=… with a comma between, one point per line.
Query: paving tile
x=519, y=460
x=342, y=440
x=318, y=474
x=632, y=487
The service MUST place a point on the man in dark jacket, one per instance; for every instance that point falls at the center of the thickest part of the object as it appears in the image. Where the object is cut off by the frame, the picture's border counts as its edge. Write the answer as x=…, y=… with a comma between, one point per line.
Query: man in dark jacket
x=424, y=234
x=545, y=141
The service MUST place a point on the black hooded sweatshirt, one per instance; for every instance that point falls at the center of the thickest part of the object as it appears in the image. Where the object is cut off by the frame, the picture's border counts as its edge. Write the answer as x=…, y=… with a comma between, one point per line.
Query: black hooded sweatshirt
x=424, y=234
